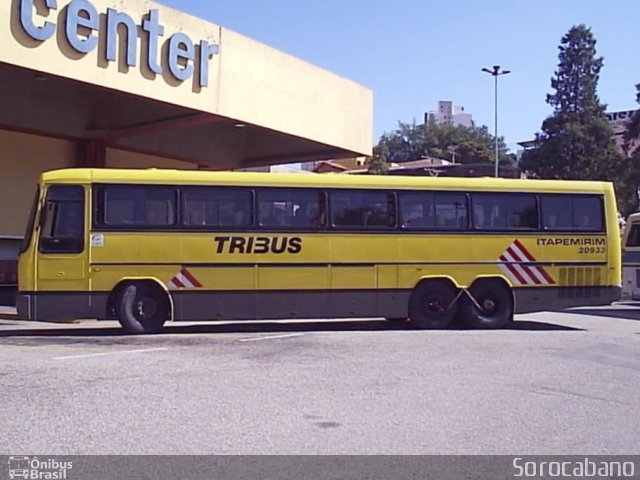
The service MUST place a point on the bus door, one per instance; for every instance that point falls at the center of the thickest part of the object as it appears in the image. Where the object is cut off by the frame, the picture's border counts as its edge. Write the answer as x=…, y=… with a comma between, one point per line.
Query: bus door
x=631, y=259
x=62, y=265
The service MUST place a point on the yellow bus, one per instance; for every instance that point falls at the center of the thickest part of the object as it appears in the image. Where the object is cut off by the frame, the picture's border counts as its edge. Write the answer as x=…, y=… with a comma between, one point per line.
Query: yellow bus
x=147, y=246
x=631, y=258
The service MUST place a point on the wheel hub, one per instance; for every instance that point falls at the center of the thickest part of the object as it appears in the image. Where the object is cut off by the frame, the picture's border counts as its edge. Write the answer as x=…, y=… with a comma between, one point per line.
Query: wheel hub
x=435, y=305
x=489, y=305
x=146, y=308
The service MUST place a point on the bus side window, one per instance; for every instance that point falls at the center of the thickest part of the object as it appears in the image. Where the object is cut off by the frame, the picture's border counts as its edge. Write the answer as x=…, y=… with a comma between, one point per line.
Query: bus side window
x=302, y=215
x=584, y=221
x=504, y=211
x=361, y=209
x=579, y=212
x=478, y=215
x=556, y=212
x=342, y=211
x=194, y=214
x=231, y=214
x=135, y=206
x=379, y=209
x=497, y=217
x=159, y=213
x=215, y=207
x=412, y=216
x=271, y=211
x=523, y=211
x=451, y=211
x=117, y=207
x=416, y=210
x=587, y=211
x=309, y=209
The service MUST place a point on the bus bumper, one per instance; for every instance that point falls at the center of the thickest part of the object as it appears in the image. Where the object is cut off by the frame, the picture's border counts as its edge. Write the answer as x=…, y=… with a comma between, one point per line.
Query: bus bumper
x=538, y=299
x=61, y=306
x=616, y=293
x=23, y=306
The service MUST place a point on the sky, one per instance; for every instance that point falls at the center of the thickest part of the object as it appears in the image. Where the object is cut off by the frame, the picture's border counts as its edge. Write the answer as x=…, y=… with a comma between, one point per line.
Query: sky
x=412, y=53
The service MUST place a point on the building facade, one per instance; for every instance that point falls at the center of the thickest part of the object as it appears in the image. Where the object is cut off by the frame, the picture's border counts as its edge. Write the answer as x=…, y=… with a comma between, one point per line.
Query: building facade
x=448, y=113
x=619, y=122
x=107, y=83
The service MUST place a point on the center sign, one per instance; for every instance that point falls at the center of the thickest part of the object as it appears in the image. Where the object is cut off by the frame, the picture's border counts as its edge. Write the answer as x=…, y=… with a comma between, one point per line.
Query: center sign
x=81, y=23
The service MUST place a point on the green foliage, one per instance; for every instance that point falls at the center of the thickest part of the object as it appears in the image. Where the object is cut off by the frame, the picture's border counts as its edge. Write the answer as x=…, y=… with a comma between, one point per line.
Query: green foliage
x=632, y=147
x=379, y=163
x=462, y=144
x=633, y=129
x=576, y=141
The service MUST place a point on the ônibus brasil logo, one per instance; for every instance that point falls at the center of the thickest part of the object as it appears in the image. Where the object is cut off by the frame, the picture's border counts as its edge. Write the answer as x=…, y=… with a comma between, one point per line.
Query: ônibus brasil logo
x=33, y=468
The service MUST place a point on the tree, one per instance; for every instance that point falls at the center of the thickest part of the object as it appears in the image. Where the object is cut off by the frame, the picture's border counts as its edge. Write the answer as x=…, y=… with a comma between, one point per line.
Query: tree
x=632, y=149
x=379, y=164
x=576, y=141
x=462, y=144
x=633, y=129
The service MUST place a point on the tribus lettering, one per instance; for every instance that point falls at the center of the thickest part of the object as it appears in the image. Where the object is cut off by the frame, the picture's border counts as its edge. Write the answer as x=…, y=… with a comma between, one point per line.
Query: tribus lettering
x=258, y=245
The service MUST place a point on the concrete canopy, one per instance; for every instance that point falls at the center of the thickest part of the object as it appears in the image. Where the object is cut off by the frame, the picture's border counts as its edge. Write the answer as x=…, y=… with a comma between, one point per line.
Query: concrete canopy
x=152, y=80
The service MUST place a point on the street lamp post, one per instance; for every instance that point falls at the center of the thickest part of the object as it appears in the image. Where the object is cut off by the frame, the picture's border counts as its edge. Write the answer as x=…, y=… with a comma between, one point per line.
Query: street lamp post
x=496, y=72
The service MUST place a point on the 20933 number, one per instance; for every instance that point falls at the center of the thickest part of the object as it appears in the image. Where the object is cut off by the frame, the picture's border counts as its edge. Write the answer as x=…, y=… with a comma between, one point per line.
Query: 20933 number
x=591, y=250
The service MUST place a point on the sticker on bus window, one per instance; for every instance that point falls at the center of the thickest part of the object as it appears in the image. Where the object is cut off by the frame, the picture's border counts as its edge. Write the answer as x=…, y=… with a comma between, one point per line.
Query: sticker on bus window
x=97, y=240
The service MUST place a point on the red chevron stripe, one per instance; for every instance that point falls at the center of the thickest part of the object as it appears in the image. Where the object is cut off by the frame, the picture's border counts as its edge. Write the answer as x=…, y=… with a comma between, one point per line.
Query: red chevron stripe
x=528, y=270
x=525, y=252
x=546, y=276
x=512, y=269
x=530, y=257
x=194, y=281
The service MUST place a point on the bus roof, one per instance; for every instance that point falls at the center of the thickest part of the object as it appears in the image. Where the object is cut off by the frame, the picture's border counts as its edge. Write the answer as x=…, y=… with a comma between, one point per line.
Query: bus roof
x=259, y=179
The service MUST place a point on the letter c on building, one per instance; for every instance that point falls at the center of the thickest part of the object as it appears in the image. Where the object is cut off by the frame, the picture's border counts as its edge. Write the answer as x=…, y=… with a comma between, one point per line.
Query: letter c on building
x=26, y=20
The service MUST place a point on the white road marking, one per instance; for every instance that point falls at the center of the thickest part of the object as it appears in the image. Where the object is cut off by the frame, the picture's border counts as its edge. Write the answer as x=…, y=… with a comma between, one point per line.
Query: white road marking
x=273, y=337
x=121, y=352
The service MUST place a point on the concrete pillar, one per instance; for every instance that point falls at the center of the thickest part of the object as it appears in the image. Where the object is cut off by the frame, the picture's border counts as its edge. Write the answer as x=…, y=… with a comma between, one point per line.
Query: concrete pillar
x=91, y=153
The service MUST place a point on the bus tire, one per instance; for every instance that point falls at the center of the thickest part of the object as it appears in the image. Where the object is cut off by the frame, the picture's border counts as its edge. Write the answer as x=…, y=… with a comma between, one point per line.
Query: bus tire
x=142, y=308
x=495, y=298
x=431, y=305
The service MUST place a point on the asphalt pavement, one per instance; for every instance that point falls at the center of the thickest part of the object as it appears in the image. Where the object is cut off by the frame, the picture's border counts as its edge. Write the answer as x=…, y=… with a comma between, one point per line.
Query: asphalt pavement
x=555, y=383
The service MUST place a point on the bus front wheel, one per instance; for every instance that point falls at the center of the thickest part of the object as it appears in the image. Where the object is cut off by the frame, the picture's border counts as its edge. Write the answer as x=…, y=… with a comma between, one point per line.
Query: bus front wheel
x=494, y=307
x=142, y=309
x=432, y=305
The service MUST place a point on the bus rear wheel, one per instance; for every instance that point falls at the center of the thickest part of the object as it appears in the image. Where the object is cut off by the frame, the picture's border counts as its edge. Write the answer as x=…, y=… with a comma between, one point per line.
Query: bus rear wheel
x=432, y=305
x=142, y=309
x=496, y=305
